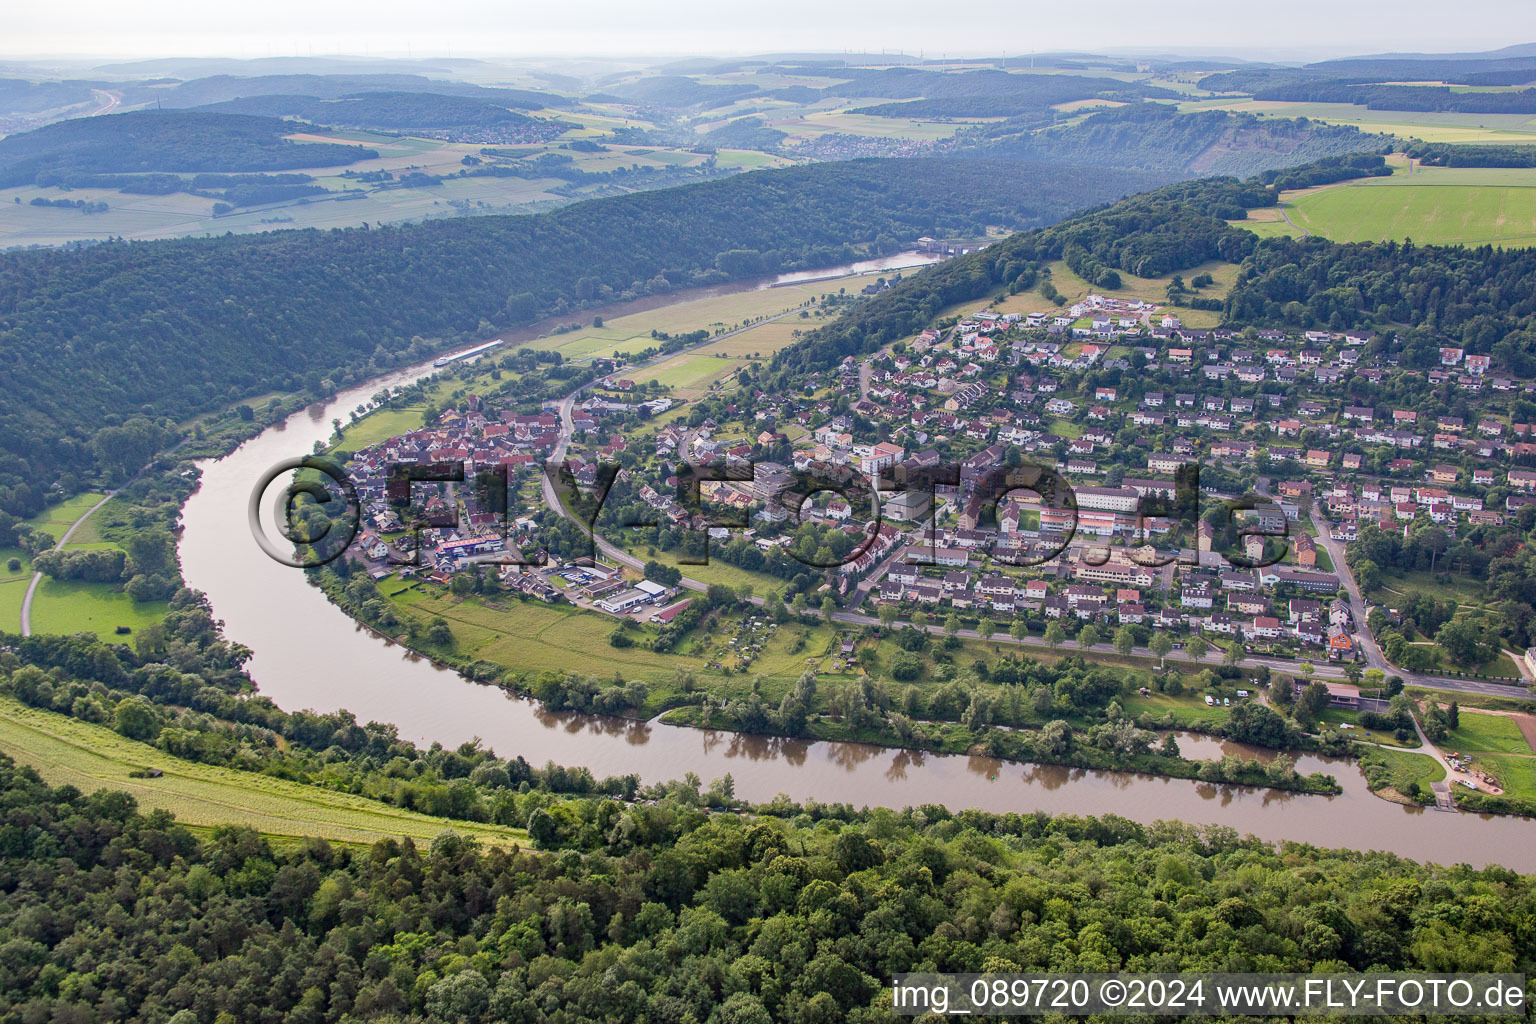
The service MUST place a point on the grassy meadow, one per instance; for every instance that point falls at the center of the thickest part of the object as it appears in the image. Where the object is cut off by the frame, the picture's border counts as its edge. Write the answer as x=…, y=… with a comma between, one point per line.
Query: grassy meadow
x=75, y=606
x=1444, y=212
x=64, y=750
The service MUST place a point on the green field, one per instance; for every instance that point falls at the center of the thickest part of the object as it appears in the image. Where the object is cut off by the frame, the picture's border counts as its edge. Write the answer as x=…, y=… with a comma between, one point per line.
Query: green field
x=12, y=591
x=180, y=214
x=1424, y=769
x=1497, y=667
x=1497, y=746
x=1495, y=734
x=61, y=606
x=530, y=637
x=716, y=570
x=57, y=518
x=691, y=372
x=71, y=606
x=533, y=637
x=1396, y=584
x=1339, y=716
x=92, y=757
x=1187, y=708
x=1440, y=213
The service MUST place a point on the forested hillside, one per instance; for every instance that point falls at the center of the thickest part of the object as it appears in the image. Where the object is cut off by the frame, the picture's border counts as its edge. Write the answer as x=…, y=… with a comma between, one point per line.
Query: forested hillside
x=155, y=140
x=663, y=912
x=390, y=111
x=1156, y=137
x=984, y=93
x=97, y=335
x=19, y=96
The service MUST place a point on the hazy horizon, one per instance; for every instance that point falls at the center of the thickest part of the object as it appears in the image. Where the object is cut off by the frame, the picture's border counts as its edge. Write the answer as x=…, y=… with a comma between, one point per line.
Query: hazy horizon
x=1311, y=29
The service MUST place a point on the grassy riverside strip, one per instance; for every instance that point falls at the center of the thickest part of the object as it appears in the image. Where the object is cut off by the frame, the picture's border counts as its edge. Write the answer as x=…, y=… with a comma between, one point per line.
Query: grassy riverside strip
x=89, y=757
x=1020, y=740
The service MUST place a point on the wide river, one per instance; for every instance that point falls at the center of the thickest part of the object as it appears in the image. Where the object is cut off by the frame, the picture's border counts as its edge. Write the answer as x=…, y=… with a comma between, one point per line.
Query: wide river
x=309, y=654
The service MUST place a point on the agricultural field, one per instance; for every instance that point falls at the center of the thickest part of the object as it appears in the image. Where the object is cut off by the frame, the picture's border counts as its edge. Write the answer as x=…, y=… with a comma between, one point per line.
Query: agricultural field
x=349, y=201
x=1268, y=222
x=692, y=370
x=1430, y=126
x=64, y=750
x=1433, y=205
x=724, y=312
x=174, y=216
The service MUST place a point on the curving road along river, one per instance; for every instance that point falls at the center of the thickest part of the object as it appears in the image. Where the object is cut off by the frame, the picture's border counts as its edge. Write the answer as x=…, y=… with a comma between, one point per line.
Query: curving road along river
x=308, y=654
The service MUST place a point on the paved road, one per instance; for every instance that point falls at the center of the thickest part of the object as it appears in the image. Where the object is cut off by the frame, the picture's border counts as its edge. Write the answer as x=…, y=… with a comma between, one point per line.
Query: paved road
x=1287, y=217
x=1373, y=656
x=109, y=101
x=37, y=577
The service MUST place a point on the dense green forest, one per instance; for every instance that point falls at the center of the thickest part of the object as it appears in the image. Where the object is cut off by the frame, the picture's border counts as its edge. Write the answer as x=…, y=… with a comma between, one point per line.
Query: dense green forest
x=1372, y=70
x=168, y=140
x=391, y=111
x=1444, y=154
x=1156, y=137
x=666, y=912
x=743, y=133
x=99, y=335
x=1403, y=97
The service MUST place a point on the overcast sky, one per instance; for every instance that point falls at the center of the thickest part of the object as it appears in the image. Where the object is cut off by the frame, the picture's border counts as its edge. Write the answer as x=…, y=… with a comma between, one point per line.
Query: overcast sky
x=466, y=28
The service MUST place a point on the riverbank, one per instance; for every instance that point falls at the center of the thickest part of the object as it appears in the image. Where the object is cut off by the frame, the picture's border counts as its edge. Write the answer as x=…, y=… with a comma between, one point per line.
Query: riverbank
x=1029, y=746
x=725, y=701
